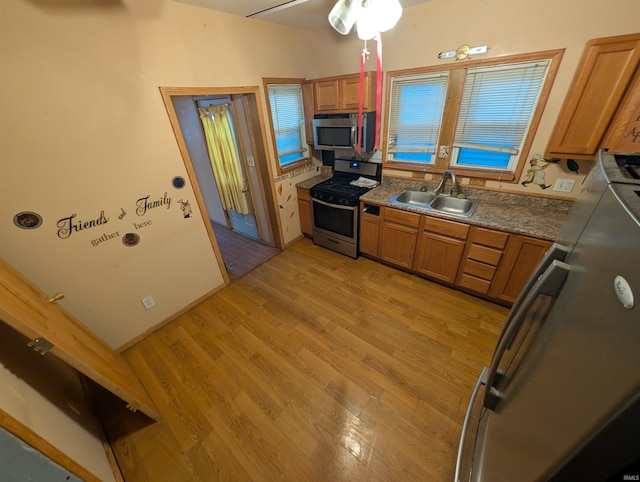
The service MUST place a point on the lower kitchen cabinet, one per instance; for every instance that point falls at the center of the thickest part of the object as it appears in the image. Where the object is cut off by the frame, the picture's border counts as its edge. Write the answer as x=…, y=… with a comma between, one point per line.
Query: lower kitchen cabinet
x=304, y=207
x=491, y=263
x=441, y=244
x=398, y=235
x=482, y=256
x=521, y=256
x=369, y=229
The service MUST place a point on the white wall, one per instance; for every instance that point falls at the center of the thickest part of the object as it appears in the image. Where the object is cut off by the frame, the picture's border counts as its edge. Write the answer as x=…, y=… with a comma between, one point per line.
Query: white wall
x=84, y=130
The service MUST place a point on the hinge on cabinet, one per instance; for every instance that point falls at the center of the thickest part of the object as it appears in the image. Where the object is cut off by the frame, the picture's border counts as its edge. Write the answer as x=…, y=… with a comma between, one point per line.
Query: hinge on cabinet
x=133, y=406
x=41, y=345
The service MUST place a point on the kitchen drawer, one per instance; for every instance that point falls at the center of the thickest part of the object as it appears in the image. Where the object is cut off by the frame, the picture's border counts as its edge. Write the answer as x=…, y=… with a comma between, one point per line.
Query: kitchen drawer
x=445, y=227
x=401, y=217
x=489, y=237
x=479, y=270
x=484, y=255
x=476, y=284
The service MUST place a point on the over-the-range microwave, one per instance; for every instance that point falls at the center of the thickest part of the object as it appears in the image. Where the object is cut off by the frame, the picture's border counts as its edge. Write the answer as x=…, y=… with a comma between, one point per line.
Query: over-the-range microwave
x=340, y=131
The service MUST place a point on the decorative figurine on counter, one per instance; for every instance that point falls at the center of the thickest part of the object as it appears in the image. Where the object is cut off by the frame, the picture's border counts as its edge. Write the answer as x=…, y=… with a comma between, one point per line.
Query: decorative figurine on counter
x=535, y=174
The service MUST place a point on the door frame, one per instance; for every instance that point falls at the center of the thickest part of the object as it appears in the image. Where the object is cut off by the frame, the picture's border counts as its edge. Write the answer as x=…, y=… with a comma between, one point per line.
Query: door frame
x=255, y=116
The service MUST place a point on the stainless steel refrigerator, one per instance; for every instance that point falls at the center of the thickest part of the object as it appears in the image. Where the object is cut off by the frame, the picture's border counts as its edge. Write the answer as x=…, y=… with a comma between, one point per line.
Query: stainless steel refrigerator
x=561, y=398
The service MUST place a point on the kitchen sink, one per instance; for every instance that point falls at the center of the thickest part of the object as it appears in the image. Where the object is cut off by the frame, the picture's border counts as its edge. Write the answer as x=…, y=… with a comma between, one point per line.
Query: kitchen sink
x=454, y=205
x=415, y=198
x=463, y=207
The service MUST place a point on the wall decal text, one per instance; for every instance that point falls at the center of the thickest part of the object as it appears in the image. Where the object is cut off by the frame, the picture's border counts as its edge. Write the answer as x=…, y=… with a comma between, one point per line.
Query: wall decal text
x=69, y=225
x=144, y=204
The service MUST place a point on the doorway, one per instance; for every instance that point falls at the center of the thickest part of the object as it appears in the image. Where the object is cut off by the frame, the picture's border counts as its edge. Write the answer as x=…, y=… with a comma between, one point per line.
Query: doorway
x=258, y=224
x=229, y=164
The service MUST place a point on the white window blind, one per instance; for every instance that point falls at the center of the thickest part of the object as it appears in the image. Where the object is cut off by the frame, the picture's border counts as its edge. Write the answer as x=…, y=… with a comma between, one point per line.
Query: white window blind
x=415, y=115
x=287, y=112
x=497, y=107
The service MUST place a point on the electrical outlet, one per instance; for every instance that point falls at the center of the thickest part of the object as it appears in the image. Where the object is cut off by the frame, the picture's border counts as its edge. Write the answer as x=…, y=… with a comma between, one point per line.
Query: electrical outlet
x=564, y=185
x=148, y=302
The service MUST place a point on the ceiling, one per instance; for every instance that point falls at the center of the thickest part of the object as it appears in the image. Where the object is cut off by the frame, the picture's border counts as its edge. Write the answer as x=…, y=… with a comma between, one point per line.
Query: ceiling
x=306, y=14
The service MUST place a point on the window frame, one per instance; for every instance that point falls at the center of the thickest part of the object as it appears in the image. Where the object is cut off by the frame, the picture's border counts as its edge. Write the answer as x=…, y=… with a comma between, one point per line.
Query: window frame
x=457, y=73
x=305, y=158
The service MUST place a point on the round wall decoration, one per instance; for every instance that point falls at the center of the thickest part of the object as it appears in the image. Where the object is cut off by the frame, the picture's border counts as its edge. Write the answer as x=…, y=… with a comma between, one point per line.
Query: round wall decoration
x=178, y=182
x=27, y=220
x=130, y=239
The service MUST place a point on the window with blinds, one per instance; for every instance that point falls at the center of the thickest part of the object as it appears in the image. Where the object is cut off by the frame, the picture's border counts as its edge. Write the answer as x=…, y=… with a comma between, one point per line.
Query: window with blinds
x=287, y=118
x=416, y=105
x=477, y=117
x=496, y=109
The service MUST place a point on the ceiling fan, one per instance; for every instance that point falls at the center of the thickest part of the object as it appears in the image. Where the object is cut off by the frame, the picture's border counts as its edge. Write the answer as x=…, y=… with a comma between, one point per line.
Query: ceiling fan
x=276, y=8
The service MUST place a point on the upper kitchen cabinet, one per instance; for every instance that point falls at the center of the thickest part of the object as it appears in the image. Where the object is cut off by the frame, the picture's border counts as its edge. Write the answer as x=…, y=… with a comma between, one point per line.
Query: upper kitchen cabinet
x=340, y=94
x=624, y=134
x=601, y=81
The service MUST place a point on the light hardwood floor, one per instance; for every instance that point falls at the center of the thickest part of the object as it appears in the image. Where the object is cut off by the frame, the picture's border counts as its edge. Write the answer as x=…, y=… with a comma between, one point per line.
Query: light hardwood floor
x=312, y=367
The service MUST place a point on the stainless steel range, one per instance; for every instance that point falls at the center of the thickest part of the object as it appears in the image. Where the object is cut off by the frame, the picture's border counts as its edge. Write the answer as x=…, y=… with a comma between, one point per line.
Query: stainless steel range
x=335, y=203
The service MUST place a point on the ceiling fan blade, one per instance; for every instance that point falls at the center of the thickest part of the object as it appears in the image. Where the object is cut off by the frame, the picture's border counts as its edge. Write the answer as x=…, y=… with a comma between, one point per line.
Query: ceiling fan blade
x=276, y=8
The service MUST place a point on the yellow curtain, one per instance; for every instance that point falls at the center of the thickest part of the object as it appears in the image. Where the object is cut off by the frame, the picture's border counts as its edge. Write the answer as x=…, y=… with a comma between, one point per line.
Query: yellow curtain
x=223, y=154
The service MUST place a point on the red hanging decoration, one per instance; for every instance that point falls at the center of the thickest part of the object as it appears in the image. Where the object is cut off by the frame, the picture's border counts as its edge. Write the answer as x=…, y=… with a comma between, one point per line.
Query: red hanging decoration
x=363, y=58
x=378, y=37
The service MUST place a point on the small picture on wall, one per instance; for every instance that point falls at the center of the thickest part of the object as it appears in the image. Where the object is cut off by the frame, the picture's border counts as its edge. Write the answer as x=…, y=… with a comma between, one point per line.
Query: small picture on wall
x=27, y=220
x=178, y=182
x=130, y=239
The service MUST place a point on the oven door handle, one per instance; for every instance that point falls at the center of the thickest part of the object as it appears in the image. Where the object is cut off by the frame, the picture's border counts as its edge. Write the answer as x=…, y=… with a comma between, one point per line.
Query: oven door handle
x=337, y=206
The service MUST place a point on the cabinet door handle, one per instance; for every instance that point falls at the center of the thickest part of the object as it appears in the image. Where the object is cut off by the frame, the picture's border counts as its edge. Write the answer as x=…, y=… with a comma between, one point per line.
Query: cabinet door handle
x=482, y=380
x=555, y=252
x=550, y=284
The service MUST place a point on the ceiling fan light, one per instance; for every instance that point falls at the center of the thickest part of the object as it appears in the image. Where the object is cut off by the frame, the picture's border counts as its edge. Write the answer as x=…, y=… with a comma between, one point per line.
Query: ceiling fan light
x=344, y=14
x=389, y=12
x=367, y=26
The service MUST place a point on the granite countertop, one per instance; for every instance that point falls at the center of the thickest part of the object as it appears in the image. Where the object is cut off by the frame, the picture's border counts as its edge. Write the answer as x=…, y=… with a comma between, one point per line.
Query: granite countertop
x=521, y=214
x=312, y=181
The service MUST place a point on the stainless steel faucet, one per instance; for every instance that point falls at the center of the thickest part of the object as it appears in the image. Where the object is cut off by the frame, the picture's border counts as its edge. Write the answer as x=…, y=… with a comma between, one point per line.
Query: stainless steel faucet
x=443, y=181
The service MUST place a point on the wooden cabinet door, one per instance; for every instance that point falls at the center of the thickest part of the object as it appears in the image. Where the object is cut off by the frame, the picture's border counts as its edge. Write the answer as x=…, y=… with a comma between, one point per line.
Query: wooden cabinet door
x=350, y=94
x=304, y=207
x=624, y=133
x=441, y=244
x=521, y=256
x=439, y=256
x=369, y=234
x=350, y=91
x=28, y=310
x=398, y=235
x=398, y=244
x=327, y=96
x=602, y=77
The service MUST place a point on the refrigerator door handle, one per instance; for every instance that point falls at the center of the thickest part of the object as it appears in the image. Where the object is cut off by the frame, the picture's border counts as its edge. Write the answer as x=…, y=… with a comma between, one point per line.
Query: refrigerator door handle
x=555, y=252
x=549, y=283
x=482, y=380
